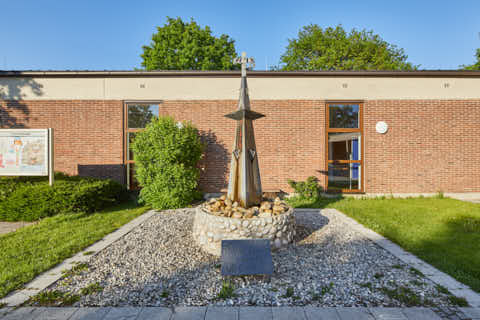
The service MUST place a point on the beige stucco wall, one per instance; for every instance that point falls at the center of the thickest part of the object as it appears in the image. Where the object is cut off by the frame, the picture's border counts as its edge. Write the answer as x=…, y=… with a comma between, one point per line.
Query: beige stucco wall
x=214, y=88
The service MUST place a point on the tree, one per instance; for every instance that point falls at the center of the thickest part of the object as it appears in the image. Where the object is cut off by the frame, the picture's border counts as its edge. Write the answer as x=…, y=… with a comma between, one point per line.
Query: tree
x=181, y=45
x=475, y=66
x=335, y=49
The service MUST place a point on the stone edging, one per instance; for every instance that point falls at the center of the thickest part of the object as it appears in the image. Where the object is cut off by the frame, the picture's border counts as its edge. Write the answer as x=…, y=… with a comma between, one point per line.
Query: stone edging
x=47, y=278
x=430, y=272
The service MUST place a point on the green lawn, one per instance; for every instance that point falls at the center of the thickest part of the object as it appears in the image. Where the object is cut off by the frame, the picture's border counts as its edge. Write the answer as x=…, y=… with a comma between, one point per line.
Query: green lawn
x=32, y=250
x=443, y=232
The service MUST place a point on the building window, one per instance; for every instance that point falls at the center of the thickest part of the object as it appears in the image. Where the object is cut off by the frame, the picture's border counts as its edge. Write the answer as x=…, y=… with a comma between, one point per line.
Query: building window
x=137, y=116
x=344, y=151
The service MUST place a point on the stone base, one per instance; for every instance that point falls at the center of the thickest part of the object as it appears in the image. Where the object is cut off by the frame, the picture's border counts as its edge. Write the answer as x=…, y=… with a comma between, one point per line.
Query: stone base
x=210, y=230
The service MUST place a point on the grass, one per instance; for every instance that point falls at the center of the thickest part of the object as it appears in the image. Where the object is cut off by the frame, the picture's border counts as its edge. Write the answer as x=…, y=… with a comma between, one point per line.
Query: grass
x=227, y=291
x=53, y=298
x=34, y=249
x=442, y=231
x=405, y=295
x=91, y=288
x=289, y=293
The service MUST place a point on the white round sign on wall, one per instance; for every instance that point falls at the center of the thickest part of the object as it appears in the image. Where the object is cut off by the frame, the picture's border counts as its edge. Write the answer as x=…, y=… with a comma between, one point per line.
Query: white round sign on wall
x=381, y=127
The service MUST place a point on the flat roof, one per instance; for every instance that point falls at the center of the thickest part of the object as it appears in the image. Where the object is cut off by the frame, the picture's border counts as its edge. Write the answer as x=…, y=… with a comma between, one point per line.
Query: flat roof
x=253, y=73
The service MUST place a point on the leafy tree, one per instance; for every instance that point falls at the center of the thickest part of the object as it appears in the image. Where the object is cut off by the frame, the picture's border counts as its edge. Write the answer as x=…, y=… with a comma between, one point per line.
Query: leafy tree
x=475, y=66
x=181, y=45
x=336, y=49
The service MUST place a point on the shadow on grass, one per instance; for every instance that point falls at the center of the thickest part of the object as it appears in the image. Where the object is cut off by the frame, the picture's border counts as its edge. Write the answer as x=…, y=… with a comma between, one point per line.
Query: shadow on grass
x=455, y=249
x=308, y=203
x=443, y=232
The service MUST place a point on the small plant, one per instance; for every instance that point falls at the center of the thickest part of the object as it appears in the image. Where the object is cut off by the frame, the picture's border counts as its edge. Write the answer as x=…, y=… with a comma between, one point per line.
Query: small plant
x=217, y=265
x=458, y=301
x=440, y=195
x=227, y=291
x=442, y=289
x=274, y=289
x=3, y=305
x=378, y=275
x=91, y=288
x=397, y=266
x=417, y=283
x=88, y=253
x=165, y=294
x=326, y=289
x=289, y=293
x=404, y=295
x=308, y=189
x=366, y=285
x=315, y=296
x=416, y=272
x=53, y=298
x=76, y=270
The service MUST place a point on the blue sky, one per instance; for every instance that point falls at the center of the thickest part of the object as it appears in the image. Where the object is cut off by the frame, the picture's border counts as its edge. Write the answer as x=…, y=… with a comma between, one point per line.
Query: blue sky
x=105, y=34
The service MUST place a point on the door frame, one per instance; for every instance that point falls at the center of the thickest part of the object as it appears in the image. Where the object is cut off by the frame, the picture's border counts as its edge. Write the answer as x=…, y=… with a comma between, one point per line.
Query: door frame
x=362, y=143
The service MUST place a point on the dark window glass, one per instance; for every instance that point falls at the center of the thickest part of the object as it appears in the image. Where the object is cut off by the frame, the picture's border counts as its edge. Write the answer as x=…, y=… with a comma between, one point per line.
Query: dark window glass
x=133, y=181
x=344, y=176
x=344, y=146
x=344, y=116
x=139, y=115
x=131, y=137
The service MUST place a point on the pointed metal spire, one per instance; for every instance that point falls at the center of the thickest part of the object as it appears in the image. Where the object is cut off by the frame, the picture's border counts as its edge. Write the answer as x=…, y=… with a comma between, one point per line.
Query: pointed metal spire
x=244, y=185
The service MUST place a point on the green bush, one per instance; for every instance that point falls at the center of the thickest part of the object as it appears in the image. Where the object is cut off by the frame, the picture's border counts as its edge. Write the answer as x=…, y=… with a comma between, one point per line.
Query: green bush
x=166, y=157
x=306, y=189
x=29, y=199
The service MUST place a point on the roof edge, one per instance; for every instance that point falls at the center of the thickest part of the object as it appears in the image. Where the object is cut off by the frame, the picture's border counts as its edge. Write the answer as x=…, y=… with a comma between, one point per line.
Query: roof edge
x=169, y=73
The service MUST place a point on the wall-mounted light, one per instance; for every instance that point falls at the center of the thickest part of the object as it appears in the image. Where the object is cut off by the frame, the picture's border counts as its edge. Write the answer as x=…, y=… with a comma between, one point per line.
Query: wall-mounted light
x=381, y=127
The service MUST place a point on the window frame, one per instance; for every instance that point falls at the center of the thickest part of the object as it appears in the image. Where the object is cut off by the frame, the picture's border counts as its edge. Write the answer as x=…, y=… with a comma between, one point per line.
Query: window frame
x=126, y=130
x=338, y=130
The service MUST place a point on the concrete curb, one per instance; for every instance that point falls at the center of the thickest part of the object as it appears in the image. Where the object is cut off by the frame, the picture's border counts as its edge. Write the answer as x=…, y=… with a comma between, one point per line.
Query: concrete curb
x=47, y=278
x=430, y=272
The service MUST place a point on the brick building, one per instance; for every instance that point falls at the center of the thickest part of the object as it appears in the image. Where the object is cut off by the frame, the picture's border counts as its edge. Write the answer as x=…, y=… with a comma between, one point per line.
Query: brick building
x=324, y=124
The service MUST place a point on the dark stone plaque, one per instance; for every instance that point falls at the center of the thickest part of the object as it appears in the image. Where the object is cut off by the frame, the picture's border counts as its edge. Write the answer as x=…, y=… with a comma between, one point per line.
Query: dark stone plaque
x=246, y=257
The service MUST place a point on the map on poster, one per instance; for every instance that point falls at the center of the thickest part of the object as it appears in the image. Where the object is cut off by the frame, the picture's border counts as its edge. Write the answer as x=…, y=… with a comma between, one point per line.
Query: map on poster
x=24, y=152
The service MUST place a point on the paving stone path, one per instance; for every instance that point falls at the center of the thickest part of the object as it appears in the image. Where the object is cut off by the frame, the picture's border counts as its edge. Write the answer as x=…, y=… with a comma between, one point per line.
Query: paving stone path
x=6, y=227
x=233, y=313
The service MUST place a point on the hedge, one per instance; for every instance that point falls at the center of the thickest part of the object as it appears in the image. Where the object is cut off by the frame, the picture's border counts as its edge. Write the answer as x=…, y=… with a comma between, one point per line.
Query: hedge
x=29, y=199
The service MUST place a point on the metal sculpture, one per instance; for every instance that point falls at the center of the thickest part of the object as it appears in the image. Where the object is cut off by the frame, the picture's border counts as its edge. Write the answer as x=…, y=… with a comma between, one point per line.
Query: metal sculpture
x=244, y=185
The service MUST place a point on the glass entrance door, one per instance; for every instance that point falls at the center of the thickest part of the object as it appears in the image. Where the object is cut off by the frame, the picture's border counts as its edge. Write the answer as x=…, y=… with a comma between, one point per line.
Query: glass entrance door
x=344, y=147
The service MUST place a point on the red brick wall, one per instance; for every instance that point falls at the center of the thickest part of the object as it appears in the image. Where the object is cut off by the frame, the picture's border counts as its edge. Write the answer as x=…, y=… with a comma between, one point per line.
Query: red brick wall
x=431, y=145
x=290, y=139
x=88, y=135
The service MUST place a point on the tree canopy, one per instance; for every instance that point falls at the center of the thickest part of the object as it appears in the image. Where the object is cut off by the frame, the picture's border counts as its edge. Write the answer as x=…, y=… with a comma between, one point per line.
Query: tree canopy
x=180, y=45
x=475, y=66
x=336, y=49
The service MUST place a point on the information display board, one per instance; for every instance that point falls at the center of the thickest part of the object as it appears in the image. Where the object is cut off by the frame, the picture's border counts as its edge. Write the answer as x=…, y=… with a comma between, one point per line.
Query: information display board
x=26, y=152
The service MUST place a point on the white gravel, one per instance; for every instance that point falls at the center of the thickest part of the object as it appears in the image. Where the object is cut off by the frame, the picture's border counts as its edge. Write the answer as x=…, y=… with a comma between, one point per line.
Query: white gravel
x=159, y=264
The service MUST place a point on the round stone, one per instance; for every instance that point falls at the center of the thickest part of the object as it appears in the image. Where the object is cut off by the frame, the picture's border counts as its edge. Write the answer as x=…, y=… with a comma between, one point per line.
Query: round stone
x=278, y=243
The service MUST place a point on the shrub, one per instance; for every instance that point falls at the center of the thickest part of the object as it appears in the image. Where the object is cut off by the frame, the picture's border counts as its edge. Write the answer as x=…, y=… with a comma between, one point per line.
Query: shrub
x=306, y=189
x=166, y=157
x=23, y=199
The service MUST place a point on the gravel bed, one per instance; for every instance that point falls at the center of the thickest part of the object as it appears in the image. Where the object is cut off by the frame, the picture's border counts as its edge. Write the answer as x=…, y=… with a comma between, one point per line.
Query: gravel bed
x=159, y=264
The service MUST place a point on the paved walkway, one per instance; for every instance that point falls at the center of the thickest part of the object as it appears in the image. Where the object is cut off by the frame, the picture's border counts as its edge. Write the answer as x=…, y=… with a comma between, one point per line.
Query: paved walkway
x=233, y=313
x=6, y=227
